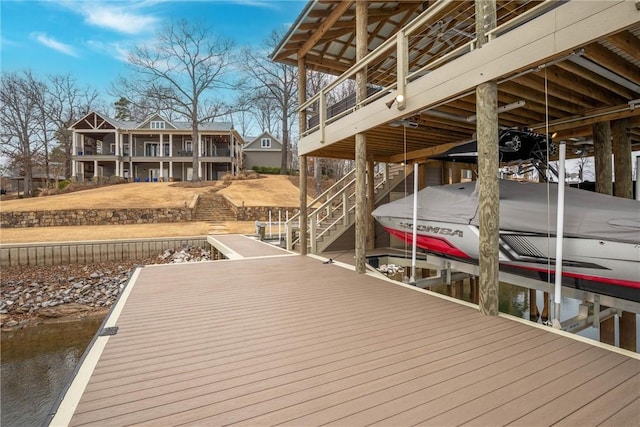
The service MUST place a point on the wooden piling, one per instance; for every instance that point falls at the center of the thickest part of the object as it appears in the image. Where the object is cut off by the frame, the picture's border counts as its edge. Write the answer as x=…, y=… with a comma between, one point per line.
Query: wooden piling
x=487, y=130
x=602, y=158
x=624, y=188
x=302, y=126
x=361, y=141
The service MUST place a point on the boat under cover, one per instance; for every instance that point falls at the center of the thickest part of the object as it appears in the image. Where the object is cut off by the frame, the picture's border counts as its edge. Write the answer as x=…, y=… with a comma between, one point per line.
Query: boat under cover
x=601, y=244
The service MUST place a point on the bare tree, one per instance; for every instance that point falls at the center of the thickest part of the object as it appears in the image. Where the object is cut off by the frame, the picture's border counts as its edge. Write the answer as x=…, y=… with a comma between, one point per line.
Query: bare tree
x=66, y=103
x=584, y=168
x=20, y=116
x=176, y=72
x=275, y=83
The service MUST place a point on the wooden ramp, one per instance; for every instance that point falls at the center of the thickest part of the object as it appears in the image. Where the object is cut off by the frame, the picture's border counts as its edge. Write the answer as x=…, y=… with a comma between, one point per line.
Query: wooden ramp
x=237, y=246
x=292, y=340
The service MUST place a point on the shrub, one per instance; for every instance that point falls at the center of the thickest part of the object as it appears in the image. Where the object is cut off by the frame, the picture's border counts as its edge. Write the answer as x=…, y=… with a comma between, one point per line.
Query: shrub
x=63, y=184
x=269, y=170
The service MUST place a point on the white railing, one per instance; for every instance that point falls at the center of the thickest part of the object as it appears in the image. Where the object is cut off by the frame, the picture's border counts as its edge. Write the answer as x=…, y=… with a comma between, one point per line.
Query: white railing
x=397, y=49
x=336, y=205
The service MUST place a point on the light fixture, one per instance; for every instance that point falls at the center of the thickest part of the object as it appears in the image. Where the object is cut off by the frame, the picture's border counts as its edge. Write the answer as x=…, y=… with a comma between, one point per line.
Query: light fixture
x=399, y=99
x=503, y=109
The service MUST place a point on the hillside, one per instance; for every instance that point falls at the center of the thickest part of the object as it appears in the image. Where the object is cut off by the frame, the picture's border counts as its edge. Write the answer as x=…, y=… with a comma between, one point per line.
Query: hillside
x=270, y=190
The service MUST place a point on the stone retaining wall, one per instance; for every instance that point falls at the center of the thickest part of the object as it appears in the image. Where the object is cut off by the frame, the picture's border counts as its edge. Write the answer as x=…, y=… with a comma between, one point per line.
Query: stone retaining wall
x=261, y=213
x=13, y=219
x=88, y=252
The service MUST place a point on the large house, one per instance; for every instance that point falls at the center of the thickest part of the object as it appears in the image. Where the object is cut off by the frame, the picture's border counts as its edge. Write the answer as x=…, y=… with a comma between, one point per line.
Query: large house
x=265, y=150
x=153, y=150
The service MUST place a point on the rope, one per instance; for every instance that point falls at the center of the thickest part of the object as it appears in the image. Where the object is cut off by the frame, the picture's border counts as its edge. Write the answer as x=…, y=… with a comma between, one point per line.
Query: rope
x=546, y=107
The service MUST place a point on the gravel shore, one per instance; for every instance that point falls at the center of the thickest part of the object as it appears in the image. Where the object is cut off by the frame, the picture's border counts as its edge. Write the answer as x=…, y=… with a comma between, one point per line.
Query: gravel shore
x=33, y=295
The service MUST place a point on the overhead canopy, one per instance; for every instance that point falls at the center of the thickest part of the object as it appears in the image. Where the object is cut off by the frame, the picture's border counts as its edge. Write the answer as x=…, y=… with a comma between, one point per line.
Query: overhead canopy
x=595, y=82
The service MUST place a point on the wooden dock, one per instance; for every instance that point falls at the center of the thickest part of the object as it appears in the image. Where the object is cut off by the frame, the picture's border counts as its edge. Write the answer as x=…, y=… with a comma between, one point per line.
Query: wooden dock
x=293, y=340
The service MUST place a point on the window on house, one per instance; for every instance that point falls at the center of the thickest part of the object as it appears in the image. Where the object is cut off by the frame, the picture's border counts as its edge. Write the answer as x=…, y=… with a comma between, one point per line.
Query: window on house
x=266, y=142
x=157, y=124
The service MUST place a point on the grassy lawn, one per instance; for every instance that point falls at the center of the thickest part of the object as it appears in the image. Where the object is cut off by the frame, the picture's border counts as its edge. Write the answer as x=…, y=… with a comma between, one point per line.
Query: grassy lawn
x=270, y=190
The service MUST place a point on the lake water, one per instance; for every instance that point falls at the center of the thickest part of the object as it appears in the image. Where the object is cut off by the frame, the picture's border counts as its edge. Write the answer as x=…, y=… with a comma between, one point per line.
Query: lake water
x=37, y=362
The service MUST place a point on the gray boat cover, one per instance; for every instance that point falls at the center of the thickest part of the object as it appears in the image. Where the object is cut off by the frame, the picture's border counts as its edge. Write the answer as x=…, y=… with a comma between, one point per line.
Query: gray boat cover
x=527, y=207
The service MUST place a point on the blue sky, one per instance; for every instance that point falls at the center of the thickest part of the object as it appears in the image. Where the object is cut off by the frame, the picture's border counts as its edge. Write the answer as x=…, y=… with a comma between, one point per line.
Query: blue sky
x=89, y=39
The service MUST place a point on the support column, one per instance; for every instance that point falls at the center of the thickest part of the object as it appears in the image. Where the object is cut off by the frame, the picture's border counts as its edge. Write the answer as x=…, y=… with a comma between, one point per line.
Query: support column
x=622, y=158
x=371, y=225
x=74, y=152
x=489, y=192
x=303, y=205
x=302, y=126
x=361, y=141
x=602, y=157
x=602, y=160
x=624, y=188
x=96, y=177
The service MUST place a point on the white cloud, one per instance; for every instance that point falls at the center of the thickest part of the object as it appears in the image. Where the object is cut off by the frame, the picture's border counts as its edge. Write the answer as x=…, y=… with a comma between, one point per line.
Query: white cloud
x=54, y=44
x=120, y=19
x=115, y=50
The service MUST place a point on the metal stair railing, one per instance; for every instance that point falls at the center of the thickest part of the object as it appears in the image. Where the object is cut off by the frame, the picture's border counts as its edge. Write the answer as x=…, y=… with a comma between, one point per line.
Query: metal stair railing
x=294, y=221
x=332, y=217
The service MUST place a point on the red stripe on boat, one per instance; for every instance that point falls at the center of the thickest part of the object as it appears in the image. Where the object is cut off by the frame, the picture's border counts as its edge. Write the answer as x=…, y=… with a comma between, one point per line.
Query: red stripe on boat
x=607, y=280
x=435, y=244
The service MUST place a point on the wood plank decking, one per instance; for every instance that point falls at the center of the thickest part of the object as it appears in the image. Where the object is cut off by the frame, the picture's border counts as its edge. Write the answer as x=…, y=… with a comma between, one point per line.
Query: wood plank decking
x=291, y=340
x=237, y=246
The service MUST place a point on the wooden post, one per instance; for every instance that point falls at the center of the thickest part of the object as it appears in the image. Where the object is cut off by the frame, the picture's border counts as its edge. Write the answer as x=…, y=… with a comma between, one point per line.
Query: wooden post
x=602, y=159
x=489, y=192
x=545, y=308
x=302, y=126
x=303, y=205
x=624, y=188
x=628, y=331
x=361, y=141
x=622, y=158
x=534, y=314
x=371, y=202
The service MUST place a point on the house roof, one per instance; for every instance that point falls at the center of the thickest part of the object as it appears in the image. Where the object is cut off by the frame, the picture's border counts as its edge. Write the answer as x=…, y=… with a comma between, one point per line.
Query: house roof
x=249, y=146
x=97, y=121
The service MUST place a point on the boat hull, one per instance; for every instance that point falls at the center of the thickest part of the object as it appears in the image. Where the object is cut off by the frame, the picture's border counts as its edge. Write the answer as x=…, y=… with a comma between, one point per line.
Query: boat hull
x=593, y=265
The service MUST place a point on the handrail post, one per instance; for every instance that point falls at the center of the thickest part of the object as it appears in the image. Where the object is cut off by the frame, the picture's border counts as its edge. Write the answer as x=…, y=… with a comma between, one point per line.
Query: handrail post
x=322, y=114
x=313, y=218
x=345, y=209
x=402, y=47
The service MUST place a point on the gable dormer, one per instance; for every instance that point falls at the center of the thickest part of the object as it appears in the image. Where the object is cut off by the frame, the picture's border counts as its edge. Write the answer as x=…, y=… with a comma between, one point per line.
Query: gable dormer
x=94, y=121
x=156, y=122
x=265, y=141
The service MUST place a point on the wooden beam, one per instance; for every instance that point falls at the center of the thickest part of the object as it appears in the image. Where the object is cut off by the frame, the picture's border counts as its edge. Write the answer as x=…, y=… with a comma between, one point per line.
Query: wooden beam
x=603, y=56
x=589, y=117
x=626, y=42
x=424, y=153
x=326, y=25
x=596, y=79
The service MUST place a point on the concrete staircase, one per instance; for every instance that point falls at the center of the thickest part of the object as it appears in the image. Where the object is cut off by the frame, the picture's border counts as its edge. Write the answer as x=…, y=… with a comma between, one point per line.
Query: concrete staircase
x=213, y=207
x=333, y=212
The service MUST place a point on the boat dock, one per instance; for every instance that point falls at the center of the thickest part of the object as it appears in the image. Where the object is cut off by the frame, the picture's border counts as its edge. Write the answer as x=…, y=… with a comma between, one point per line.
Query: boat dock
x=279, y=338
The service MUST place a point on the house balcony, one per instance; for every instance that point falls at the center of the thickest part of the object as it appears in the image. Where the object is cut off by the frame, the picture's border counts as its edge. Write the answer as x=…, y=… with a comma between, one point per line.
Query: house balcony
x=554, y=62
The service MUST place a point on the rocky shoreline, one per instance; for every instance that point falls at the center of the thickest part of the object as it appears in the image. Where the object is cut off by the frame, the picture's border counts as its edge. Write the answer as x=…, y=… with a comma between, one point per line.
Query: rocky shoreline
x=34, y=295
